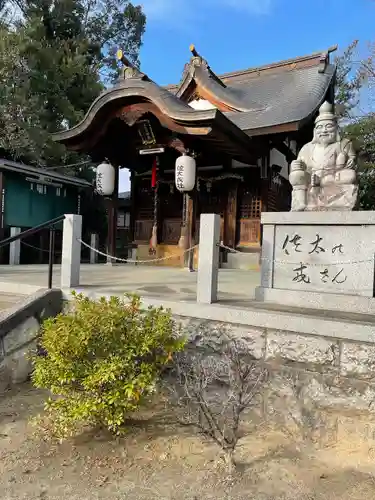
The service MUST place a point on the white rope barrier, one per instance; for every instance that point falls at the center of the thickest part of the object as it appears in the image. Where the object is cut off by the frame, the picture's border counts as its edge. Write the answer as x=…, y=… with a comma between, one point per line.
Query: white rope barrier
x=289, y=262
x=132, y=261
x=37, y=248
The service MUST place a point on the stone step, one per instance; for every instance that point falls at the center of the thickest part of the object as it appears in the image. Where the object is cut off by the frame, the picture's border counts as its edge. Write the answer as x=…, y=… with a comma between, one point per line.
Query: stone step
x=243, y=260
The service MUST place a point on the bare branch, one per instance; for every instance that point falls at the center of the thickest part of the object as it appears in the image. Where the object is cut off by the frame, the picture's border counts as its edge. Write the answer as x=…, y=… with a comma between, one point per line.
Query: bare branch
x=213, y=388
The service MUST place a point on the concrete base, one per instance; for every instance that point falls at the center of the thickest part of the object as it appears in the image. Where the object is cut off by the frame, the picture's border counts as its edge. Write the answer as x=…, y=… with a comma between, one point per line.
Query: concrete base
x=323, y=259
x=316, y=300
x=243, y=260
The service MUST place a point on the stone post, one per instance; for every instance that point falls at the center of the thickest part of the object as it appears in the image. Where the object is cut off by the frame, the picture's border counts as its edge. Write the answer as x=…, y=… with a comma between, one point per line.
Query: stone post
x=208, y=263
x=15, y=247
x=71, y=251
x=94, y=243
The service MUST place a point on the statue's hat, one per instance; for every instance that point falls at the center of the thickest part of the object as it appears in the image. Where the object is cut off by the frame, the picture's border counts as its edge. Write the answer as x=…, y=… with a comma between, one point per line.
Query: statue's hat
x=326, y=113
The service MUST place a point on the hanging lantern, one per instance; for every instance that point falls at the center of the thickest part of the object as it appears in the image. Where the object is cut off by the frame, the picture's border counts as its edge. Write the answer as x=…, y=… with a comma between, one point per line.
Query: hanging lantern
x=185, y=173
x=105, y=179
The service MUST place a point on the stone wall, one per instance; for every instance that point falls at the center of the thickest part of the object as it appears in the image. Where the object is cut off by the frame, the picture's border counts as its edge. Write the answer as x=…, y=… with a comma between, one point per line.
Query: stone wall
x=318, y=387
x=19, y=330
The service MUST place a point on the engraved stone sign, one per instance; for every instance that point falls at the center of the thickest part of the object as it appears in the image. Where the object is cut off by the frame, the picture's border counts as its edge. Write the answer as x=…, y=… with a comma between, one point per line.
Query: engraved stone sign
x=326, y=252
x=324, y=258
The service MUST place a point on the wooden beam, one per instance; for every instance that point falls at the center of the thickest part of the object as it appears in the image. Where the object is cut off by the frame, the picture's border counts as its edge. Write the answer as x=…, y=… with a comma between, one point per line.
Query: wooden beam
x=284, y=150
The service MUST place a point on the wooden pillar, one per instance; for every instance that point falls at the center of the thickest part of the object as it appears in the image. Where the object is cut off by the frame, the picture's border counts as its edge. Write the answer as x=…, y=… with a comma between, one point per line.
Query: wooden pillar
x=264, y=180
x=183, y=241
x=132, y=205
x=230, y=222
x=112, y=204
x=264, y=188
x=191, y=219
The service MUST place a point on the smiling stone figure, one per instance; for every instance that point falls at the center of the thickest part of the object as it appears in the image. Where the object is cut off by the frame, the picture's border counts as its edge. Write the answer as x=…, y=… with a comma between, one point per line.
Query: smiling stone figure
x=323, y=176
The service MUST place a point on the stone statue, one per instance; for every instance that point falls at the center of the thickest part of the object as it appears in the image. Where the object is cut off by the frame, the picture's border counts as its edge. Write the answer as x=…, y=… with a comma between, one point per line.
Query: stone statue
x=323, y=177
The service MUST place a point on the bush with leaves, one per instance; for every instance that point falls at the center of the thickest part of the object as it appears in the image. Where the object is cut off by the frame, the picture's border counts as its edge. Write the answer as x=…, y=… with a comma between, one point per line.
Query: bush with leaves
x=102, y=359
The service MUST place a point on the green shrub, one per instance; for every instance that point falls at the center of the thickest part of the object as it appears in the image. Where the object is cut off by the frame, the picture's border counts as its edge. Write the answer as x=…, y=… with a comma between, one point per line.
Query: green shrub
x=102, y=359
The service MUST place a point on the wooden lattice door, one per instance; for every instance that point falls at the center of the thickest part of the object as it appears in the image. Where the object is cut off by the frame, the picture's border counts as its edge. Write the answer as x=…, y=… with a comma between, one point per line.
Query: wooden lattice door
x=248, y=226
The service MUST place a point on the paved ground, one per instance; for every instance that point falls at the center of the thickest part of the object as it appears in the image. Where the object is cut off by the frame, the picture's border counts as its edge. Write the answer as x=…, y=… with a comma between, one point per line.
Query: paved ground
x=172, y=283
x=8, y=299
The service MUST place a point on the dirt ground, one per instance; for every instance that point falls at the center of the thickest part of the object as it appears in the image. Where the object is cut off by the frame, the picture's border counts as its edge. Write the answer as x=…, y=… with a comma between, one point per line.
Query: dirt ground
x=159, y=460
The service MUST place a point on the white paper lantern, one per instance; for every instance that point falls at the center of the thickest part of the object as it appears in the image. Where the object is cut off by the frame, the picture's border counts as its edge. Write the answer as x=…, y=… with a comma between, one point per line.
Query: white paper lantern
x=185, y=173
x=105, y=179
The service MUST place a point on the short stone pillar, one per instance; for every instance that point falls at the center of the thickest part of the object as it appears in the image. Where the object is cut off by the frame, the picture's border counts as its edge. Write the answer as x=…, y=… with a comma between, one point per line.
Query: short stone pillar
x=208, y=262
x=94, y=243
x=15, y=247
x=321, y=260
x=71, y=251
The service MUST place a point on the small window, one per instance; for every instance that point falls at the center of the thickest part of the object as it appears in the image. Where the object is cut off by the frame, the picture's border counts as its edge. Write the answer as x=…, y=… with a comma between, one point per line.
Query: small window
x=31, y=186
x=58, y=191
x=41, y=189
x=64, y=193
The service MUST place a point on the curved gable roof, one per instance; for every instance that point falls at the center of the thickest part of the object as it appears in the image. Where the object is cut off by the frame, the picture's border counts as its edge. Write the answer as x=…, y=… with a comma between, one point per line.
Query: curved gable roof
x=257, y=98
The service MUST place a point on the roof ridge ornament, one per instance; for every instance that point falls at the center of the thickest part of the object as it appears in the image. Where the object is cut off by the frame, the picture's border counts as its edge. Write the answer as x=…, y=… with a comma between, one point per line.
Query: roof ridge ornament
x=129, y=70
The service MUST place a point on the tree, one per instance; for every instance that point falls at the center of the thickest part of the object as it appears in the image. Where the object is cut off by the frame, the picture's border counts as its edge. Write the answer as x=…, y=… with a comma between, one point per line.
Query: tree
x=362, y=132
x=213, y=389
x=64, y=53
x=108, y=25
x=112, y=24
x=349, y=81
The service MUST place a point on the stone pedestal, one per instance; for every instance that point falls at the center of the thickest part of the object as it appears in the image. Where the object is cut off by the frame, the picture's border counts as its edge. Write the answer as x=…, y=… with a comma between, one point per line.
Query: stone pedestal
x=15, y=247
x=208, y=262
x=322, y=260
x=71, y=251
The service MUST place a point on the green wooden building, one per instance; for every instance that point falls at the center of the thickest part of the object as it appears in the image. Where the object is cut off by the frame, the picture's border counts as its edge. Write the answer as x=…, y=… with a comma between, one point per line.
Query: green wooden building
x=30, y=196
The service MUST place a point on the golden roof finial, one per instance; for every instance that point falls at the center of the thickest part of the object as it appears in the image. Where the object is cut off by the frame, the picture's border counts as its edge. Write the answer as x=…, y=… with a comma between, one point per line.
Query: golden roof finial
x=129, y=71
x=193, y=50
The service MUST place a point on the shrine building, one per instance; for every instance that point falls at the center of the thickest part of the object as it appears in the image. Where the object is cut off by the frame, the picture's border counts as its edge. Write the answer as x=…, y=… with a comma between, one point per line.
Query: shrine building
x=243, y=128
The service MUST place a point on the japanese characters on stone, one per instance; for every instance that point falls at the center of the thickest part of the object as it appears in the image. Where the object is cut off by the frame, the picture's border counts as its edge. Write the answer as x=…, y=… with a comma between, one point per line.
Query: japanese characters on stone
x=295, y=244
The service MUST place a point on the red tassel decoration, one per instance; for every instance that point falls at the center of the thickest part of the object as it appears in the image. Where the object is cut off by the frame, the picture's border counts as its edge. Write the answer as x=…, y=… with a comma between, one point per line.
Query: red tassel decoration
x=154, y=174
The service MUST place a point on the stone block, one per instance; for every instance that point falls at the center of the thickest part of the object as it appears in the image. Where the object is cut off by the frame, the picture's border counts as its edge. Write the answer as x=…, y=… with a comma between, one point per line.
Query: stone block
x=19, y=364
x=5, y=377
x=326, y=252
x=358, y=360
x=22, y=334
x=287, y=346
x=291, y=406
x=250, y=340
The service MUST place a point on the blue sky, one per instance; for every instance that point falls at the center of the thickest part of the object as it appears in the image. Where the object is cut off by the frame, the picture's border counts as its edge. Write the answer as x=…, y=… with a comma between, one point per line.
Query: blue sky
x=237, y=34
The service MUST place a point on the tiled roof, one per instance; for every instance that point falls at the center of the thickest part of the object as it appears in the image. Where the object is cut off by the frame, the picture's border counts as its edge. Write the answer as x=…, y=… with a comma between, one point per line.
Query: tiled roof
x=285, y=97
x=55, y=176
x=273, y=94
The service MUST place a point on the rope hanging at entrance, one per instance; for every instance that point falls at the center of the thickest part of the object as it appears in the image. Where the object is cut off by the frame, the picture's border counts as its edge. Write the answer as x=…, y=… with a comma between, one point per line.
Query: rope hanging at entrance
x=154, y=185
